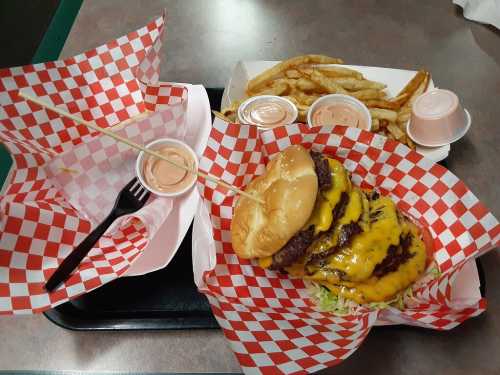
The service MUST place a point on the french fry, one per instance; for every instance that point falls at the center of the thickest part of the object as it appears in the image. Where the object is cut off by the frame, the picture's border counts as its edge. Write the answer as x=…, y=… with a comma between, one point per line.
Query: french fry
x=232, y=109
x=324, y=82
x=232, y=117
x=350, y=83
x=291, y=82
x=393, y=104
x=283, y=66
x=404, y=111
x=339, y=71
x=375, y=124
x=305, y=99
x=367, y=94
x=383, y=124
x=278, y=87
x=404, y=115
x=419, y=91
x=414, y=83
x=302, y=107
x=292, y=99
x=305, y=71
x=417, y=86
x=221, y=116
x=400, y=99
x=386, y=114
x=403, y=119
x=402, y=126
x=406, y=139
x=293, y=73
x=306, y=85
x=410, y=143
x=395, y=131
x=389, y=135
x=302, y=116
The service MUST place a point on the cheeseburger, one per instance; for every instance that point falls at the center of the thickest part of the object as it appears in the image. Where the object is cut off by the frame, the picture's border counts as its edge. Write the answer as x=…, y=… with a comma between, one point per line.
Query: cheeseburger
x=316, y=225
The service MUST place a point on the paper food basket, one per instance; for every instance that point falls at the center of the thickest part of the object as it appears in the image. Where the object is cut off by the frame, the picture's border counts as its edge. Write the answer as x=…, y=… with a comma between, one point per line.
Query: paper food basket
x=267, y=317
x=65, y=177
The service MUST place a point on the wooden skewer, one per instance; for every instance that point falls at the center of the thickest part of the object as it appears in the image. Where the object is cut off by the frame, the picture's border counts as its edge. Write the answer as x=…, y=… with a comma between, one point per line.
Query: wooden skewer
x=137, y=146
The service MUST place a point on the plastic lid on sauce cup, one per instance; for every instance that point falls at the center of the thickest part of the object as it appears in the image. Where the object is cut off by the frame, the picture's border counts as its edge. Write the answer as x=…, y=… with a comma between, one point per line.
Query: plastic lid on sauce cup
x=352, y=104
x=267, y=111
x=177, y=179
x=437, y=119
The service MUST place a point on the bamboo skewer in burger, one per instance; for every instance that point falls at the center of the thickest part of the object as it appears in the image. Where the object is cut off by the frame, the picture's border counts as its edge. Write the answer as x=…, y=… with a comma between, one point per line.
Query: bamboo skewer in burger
x=132, y=144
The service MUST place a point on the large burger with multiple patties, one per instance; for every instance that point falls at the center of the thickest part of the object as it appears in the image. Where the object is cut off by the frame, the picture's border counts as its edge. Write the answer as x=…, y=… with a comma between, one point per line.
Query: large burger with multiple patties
x=315, y=224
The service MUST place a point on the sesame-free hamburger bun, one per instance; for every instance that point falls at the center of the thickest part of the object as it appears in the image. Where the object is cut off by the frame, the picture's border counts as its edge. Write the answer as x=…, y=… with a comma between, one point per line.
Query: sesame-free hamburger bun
x=289, y=188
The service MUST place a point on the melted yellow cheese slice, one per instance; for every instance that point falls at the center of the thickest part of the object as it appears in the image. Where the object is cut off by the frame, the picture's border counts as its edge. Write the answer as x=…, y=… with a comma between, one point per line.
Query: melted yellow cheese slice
x=297, y=269
x=383, y=289
x=340, y=182
x=322, y=217
x=367, y=249
x=265, y=262
x=352, y=214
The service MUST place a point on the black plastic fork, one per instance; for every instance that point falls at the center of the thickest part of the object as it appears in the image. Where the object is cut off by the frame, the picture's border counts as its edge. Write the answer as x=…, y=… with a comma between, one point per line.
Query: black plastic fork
x=130, y=199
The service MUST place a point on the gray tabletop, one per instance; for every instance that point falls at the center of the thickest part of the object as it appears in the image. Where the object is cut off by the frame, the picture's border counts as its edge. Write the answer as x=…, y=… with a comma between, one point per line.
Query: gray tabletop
x=204, y=40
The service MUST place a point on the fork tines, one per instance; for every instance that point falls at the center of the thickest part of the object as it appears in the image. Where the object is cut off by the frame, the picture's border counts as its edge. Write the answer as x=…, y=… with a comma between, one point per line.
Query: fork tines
x=137, y=189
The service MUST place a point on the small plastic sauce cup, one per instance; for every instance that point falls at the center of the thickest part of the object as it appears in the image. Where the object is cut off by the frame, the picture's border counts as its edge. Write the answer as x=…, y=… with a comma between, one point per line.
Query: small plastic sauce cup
x=339, y=109
x=437, y=119
x=267, y=111
x=179, y=181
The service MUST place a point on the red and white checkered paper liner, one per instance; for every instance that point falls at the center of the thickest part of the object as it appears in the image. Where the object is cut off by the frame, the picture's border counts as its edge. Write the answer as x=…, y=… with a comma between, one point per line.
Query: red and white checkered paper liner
x=91, y=174
x=38, y=225
x=267, y=317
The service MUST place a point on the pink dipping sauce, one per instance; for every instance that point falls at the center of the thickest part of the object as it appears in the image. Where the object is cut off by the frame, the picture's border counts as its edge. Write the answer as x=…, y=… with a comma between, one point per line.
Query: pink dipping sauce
x=165, y=177
x=339, y=114
x=268, y=114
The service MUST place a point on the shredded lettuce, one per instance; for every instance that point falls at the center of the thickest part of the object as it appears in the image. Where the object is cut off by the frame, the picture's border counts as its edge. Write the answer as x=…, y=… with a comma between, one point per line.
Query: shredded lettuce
x=435, y=272
x=396, y=301
x=329, y=302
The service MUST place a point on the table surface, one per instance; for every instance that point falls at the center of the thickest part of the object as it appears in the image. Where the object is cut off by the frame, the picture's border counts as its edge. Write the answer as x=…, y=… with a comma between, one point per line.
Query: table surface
x=204, y=40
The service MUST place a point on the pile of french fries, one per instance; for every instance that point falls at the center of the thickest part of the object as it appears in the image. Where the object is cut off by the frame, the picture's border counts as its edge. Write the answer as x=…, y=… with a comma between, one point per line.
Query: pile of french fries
x=303, y=79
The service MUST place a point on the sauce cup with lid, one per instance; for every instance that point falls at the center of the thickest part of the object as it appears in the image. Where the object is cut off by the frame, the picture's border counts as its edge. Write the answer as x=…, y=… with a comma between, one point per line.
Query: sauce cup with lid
x=162, y=178
x=339, y=109
x=437, y=119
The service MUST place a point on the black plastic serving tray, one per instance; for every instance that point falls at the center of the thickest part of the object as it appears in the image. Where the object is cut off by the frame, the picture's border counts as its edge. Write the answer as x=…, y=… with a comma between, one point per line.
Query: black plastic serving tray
x=165, y=299
x=162, y=300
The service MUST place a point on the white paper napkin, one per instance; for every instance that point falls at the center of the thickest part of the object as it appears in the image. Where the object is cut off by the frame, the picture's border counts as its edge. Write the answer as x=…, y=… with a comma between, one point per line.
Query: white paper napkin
x=484, y=11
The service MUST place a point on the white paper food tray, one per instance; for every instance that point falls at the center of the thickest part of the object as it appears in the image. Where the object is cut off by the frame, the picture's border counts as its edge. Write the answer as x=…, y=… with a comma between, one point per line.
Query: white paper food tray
x=395, y=79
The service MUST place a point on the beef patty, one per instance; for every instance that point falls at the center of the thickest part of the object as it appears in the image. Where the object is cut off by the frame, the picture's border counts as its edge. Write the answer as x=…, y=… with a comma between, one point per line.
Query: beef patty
x=298, y=244
x=322, y=169
x=396, y=256
x=293, y=250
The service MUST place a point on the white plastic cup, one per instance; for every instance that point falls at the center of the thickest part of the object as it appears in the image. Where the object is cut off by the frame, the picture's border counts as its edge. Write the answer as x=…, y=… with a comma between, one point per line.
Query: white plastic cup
x=437, y=119
x=340, y=99
x=155, y=145
x=284, y=103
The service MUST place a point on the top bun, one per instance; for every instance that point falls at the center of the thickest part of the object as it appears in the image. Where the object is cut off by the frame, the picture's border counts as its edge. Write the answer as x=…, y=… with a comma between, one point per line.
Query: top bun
x=289, y=188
